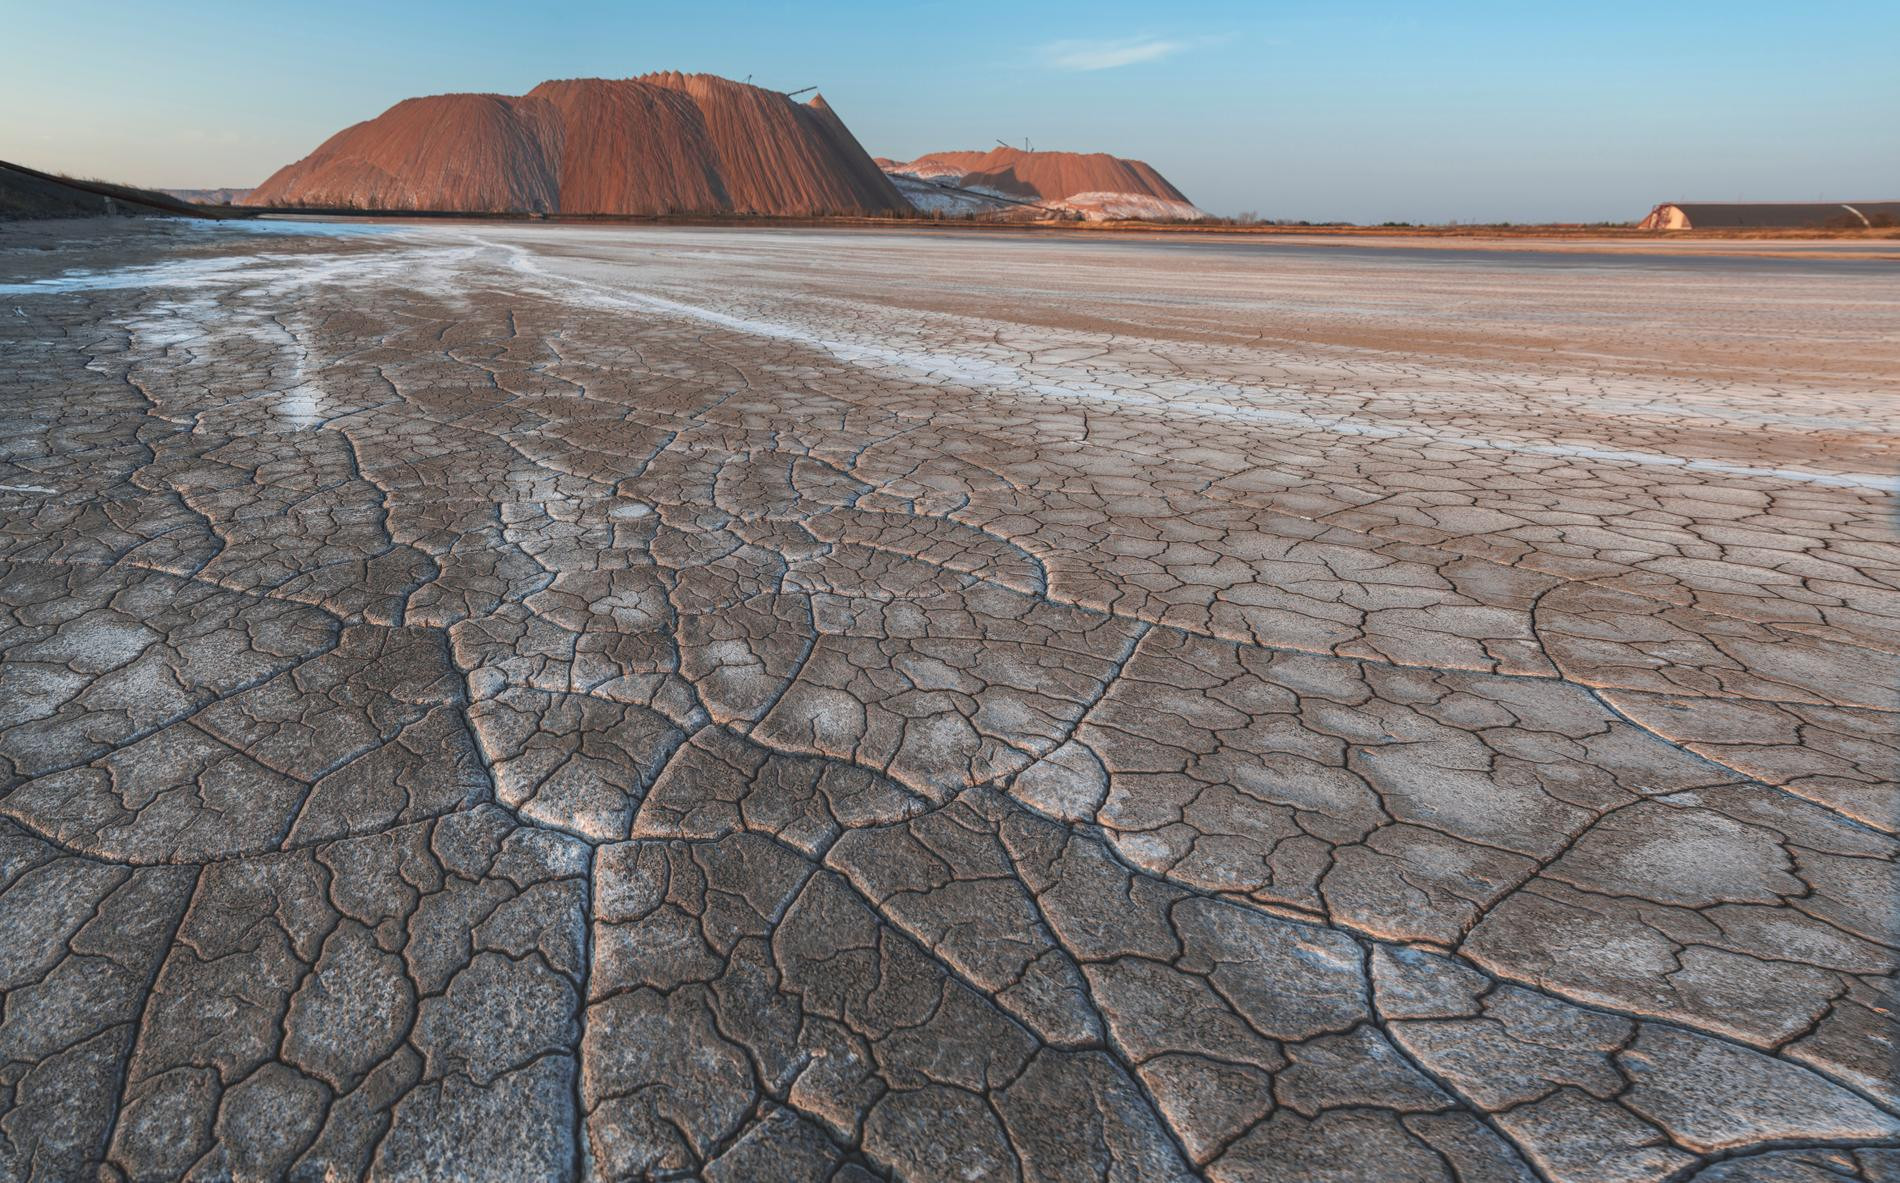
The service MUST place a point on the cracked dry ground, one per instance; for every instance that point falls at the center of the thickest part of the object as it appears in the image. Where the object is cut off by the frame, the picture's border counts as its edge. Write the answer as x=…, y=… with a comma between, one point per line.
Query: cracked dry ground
x=497, y=703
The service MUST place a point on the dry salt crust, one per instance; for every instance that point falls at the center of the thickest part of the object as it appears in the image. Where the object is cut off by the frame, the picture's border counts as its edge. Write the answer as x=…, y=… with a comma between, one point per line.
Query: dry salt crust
x=491, y=702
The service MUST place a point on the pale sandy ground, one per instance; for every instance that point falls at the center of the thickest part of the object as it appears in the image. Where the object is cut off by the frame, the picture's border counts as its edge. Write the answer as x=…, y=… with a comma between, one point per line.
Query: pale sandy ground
x=486, y=700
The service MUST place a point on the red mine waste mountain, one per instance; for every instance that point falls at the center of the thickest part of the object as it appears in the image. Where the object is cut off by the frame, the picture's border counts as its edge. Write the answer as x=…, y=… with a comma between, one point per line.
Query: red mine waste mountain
x=1091, y=185
x=662, y=143
x=1049, y=175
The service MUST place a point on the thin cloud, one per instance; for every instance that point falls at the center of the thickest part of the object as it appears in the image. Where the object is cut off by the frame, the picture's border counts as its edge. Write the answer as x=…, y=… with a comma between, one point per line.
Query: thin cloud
x=1108, y=55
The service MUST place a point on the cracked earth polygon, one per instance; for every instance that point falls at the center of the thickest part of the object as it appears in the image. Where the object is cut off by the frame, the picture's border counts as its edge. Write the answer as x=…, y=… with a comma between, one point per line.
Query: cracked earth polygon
x=486, y=702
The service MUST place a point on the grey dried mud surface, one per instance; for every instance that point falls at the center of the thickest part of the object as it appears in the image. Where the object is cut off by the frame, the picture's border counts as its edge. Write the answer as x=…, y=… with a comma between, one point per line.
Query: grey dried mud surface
x=485, y=703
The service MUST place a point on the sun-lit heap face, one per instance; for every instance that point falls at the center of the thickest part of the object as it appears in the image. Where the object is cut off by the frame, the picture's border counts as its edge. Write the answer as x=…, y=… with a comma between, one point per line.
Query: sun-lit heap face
x=616, y=702
x=665, y=143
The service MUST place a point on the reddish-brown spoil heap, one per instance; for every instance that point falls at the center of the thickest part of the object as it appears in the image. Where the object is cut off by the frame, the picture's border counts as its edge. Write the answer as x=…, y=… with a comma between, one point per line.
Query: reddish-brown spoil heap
x=1050, y=176
x=662, y=143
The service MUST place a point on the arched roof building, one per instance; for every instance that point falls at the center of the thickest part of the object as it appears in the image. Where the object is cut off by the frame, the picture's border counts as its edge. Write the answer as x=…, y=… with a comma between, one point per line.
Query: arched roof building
x=1707, y=215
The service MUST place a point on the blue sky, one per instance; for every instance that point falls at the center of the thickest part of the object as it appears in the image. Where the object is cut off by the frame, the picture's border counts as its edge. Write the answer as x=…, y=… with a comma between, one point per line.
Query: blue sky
x=1363, y=111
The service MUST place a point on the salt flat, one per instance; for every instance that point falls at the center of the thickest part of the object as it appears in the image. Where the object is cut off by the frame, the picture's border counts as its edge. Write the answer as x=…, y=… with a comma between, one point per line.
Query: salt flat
x=488, y=700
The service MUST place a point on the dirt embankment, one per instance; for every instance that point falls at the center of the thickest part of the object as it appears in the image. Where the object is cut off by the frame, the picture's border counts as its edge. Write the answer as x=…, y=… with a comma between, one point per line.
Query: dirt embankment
x=29, y=193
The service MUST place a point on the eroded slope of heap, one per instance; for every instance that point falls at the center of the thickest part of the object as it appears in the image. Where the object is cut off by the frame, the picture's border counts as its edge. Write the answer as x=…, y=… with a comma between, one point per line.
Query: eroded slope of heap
x=1093, y=184
x=661, y=143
